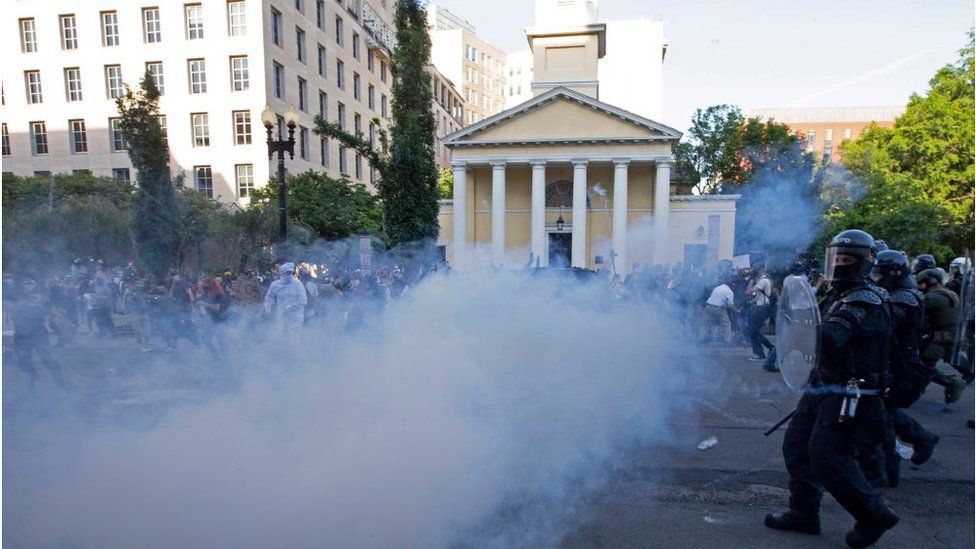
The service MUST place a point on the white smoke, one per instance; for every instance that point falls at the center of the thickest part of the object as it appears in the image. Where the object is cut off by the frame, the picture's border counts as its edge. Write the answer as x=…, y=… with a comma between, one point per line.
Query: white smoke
x=471, y=412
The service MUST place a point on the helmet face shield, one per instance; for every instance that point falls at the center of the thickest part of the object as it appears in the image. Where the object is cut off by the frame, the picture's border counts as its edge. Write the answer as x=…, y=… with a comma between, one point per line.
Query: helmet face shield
x=847, y=263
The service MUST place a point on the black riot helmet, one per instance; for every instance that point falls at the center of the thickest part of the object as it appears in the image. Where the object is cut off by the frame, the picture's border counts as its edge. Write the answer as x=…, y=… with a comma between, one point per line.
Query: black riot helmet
x=880, y=246
x=850, y=257
x=892, y=271
x=922, y=262
x=930, y=278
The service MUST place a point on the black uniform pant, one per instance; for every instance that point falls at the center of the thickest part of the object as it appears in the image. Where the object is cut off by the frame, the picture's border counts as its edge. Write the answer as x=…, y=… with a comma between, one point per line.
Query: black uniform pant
x=819, y=453
x=876, y=460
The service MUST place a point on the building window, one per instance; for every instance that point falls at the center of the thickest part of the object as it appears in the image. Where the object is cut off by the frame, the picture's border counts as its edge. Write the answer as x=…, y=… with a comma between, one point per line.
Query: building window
x=320, y=14
x=383, y=105
x=340, y=74
x=322, y=61
x=828, y=141
x=72, y=84
x=121, y=175
x=359, y=166
x=203, y=180
x=201, y=129
x=113, y=81
x=276, y=27
x=371, y=97
x=194, y=21
x=239, y=78
x=300, y=44
x=323, y=150
x=370, y=60
x=242, y=127
x=79, y=137
x=303, y=143
x=38, y=134
x=28, y=36
x=198, y=75
x=383, y=71
x=279, y=81
x=355, y=45
x=69, y=32
x=110, y=28
x=300, y=5
x=341, y=115
x=847, y=134
x=342, y=160
x=811, y=139
x=244, y=175
x=357, y=124
x=302, y=94
x=356, y=85
x=338, y=31
x=162, y=126
x=324, y=105
x=33, y=85
x=155, y=70
x=236, y=18
x=116, y=138
x=152, y=28
x=5, y=146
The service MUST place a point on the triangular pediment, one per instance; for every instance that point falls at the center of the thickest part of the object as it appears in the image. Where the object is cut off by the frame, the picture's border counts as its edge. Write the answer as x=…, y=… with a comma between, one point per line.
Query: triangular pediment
x=562, y=115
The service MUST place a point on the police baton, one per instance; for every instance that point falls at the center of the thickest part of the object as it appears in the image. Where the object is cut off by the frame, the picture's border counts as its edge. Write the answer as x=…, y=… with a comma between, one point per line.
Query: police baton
x=778, y=424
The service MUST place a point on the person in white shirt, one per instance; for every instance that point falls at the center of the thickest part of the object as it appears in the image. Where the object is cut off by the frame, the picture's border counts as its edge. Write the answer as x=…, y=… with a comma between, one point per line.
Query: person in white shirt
x=286, y=300
x=715, y=316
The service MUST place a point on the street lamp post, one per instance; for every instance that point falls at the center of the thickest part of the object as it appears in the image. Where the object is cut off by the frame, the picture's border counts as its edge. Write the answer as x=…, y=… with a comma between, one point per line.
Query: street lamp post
x=281, y=146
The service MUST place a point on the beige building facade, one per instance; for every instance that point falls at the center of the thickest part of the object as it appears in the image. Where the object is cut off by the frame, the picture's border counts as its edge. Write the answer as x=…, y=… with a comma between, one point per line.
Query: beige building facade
x=475, y=66
x=448, y=109
x=219, y=63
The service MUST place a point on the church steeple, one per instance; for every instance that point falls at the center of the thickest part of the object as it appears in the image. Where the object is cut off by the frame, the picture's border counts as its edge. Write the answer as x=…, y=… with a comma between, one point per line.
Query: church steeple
x=566, y=44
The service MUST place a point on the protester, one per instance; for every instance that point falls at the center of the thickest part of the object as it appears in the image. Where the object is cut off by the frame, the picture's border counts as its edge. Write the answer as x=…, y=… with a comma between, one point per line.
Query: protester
x=760, y=288
x=719, y=305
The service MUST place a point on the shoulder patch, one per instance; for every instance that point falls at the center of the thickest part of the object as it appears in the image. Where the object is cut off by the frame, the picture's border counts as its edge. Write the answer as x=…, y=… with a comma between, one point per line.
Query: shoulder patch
x=862, y=295
x=906, y=297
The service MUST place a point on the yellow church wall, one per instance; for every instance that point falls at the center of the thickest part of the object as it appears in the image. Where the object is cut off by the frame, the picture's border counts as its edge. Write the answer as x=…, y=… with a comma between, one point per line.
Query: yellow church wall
x=561, y=118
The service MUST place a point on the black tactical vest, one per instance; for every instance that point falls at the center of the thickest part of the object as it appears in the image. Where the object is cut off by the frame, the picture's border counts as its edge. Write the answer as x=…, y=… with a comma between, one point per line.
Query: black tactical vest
x=865, y=355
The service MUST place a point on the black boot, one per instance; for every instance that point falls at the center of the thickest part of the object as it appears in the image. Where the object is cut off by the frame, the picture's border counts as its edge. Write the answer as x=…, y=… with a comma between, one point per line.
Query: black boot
x=894, y=475
x=866, y=534
x=790, y=521
x=924, y=448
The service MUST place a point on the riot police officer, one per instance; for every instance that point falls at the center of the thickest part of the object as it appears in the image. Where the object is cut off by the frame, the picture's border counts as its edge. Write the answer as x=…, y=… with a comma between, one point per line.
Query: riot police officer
x=908, y=374
x=842, y=403
x=942, y=308
x=923, y=262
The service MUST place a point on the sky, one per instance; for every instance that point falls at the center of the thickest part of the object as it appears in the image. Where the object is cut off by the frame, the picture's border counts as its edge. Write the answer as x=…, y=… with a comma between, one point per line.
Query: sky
x=772, y=53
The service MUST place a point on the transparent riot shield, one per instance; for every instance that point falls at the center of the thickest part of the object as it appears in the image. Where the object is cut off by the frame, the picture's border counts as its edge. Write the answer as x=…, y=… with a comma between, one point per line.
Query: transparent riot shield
x=797, y=332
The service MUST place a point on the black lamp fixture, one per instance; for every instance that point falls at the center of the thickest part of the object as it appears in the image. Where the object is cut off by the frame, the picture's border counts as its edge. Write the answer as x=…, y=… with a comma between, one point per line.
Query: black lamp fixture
x=560, y=223
x=281, y=146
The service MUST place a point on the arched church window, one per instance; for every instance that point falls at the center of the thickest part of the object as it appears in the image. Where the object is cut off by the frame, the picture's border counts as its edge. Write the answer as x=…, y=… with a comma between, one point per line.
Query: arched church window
x=559, y=194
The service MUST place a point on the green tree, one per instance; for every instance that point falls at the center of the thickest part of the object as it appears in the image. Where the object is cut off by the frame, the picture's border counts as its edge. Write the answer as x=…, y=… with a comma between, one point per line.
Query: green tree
x=725, y=148
x=405, y=160
x=50, y=220
x=445, y=184
x=332, y=208
x=919, y=174
x=155, y=214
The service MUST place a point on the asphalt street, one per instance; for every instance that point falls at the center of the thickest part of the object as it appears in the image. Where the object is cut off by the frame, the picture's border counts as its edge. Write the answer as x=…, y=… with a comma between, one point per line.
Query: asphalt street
x=671, y=495
x=680, y=496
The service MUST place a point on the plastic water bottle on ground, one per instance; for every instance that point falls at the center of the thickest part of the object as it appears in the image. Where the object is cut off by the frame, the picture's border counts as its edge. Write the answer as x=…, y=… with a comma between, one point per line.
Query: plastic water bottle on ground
x=708, y=443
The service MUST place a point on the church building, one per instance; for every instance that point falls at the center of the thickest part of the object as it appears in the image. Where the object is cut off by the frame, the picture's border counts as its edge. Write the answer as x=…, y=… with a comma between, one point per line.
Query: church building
x=571, y=179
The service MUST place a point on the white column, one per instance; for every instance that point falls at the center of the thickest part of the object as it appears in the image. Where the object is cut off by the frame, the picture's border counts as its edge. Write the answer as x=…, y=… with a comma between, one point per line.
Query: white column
x=498, y=213
x=662, y=204
x=579, y=213
x=620, y=215
x=460, y=211
x=538, y=208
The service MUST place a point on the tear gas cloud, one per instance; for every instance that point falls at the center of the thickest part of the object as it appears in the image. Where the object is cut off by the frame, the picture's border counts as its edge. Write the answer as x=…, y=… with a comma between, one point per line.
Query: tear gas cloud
x=471, y=412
